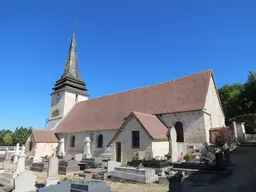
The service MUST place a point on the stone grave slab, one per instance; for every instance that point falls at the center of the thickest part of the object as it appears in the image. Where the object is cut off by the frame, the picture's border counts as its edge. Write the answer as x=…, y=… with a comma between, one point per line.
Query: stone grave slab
x=87, y=163
x=144, y=175
x=67, y=186
x=112, y=165
x=39, y=166
x=68, y=166
x=25, y=182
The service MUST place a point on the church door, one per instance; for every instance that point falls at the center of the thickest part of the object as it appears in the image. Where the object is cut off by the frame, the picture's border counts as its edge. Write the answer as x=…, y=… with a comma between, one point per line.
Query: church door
x=118, y=151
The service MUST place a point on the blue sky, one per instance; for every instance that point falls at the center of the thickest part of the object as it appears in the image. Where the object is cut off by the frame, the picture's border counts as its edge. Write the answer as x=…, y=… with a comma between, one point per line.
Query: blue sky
x=121, y=44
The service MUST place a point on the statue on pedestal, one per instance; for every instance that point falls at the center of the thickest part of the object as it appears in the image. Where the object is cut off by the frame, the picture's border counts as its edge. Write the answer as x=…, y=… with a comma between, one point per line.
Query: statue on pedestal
x=87, y=148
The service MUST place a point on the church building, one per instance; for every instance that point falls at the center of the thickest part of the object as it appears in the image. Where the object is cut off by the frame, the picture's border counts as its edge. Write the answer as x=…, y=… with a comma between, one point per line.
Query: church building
x=129, y=121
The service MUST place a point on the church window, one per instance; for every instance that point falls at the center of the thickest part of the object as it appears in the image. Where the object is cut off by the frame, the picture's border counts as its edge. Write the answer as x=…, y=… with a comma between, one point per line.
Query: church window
x=30, y=146
x=100, y=141
x=135, y=139
x=73, y=141
x=180, y=133
x=76, y=98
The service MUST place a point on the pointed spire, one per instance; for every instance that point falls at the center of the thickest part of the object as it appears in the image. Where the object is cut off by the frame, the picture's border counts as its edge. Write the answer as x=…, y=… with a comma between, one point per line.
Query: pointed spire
x=71, y=68
x=71, y=80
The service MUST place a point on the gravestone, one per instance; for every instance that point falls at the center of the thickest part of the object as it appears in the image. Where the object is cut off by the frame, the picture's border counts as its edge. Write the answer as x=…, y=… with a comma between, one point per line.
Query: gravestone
x=61, y=147
x=67, y=157
x=68, y=166
x=20, y=167
x=148, y=153
x=144, y=175
x=52, y=174
x=36, y=157
x=16, y=154
x=78, y=157
x=67, y=186
x=25, y=182
x=112, y=165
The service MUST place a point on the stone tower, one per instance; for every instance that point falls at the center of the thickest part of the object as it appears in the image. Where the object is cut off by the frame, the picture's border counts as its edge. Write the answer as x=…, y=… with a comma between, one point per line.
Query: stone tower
x=68, y=90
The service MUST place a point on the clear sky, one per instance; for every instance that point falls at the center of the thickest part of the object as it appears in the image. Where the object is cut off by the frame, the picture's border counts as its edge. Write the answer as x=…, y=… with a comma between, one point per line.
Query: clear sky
x=121, y=44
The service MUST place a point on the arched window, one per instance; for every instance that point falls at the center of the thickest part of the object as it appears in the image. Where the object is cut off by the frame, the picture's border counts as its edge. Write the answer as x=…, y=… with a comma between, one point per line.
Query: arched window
x=180, y=132
x=73, y=141
x=100, y=141
x=30, y=146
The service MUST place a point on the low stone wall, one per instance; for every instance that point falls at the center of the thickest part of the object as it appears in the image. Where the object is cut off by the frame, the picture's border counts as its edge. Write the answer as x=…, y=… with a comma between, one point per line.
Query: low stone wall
x=249, y=137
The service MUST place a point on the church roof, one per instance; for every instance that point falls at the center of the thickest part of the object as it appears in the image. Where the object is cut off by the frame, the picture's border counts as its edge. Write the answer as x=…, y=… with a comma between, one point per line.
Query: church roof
x=44, y=136
x=109, y=112
x=151, y=124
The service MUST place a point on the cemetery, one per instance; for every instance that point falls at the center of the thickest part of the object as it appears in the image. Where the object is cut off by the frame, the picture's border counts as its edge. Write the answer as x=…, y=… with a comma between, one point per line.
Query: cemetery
x=175, y=171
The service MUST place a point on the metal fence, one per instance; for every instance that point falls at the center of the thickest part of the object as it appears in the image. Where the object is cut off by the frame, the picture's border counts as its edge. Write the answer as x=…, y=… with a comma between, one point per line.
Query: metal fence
x=9, y=148
x=249, y=137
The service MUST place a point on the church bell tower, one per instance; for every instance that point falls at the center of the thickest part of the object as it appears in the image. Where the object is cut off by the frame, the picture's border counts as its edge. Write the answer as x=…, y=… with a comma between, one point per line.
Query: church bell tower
x=68, y=90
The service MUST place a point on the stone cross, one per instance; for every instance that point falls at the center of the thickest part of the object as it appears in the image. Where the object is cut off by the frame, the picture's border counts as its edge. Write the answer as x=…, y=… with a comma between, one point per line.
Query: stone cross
x=15, y=158
x=87, y=148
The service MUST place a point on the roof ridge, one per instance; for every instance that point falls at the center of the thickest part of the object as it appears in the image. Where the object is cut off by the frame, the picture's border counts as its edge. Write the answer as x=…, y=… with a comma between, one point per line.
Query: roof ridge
x=145, y=114
x=184, y=77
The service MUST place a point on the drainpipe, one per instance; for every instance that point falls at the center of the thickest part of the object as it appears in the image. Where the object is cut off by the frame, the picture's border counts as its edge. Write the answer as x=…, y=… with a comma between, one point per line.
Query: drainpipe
x=46, y=123
x=208, y=115
x=204, y=111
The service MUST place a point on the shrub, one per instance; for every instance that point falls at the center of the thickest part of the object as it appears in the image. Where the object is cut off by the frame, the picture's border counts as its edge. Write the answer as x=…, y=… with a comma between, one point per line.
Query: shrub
x=224, y=135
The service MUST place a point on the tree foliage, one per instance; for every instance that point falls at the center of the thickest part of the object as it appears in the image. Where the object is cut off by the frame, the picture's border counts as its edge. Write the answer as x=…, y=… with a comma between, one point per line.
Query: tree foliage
x=9, y=138
x=240, y=100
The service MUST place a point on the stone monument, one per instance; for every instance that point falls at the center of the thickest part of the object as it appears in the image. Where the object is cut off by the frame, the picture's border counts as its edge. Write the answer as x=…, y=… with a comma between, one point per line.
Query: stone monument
x=148, y=154
x=87, y=148
x=61, y=147
x=52, y=174
x=16, y=154
x=20, y=167
x=87, y=161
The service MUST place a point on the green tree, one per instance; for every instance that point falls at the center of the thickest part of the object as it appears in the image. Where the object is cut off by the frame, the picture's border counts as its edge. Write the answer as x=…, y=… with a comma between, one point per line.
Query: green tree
x=8, y=139
x=230, y=98
x=20, y=135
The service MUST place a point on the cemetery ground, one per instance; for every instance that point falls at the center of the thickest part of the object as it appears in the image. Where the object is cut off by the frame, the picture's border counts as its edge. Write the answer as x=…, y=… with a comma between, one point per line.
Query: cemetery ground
x=114, y=186
x=242, y=177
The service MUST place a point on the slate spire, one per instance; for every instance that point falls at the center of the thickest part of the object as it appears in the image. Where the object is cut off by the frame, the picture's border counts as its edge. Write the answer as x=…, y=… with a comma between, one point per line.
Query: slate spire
x=71, y=80
x=71, y=68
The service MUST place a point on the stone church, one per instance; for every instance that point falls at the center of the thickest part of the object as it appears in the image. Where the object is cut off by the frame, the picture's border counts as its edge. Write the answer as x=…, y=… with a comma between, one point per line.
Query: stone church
x=129, y=121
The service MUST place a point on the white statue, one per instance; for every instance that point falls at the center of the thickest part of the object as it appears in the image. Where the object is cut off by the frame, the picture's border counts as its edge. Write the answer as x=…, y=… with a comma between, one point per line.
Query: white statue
x=87, y=147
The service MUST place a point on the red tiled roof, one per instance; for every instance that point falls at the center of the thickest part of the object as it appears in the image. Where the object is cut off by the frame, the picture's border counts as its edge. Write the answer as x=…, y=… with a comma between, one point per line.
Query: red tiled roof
x=108, y=112
x=44, y=136
x=151, y=124
x=155, y=128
